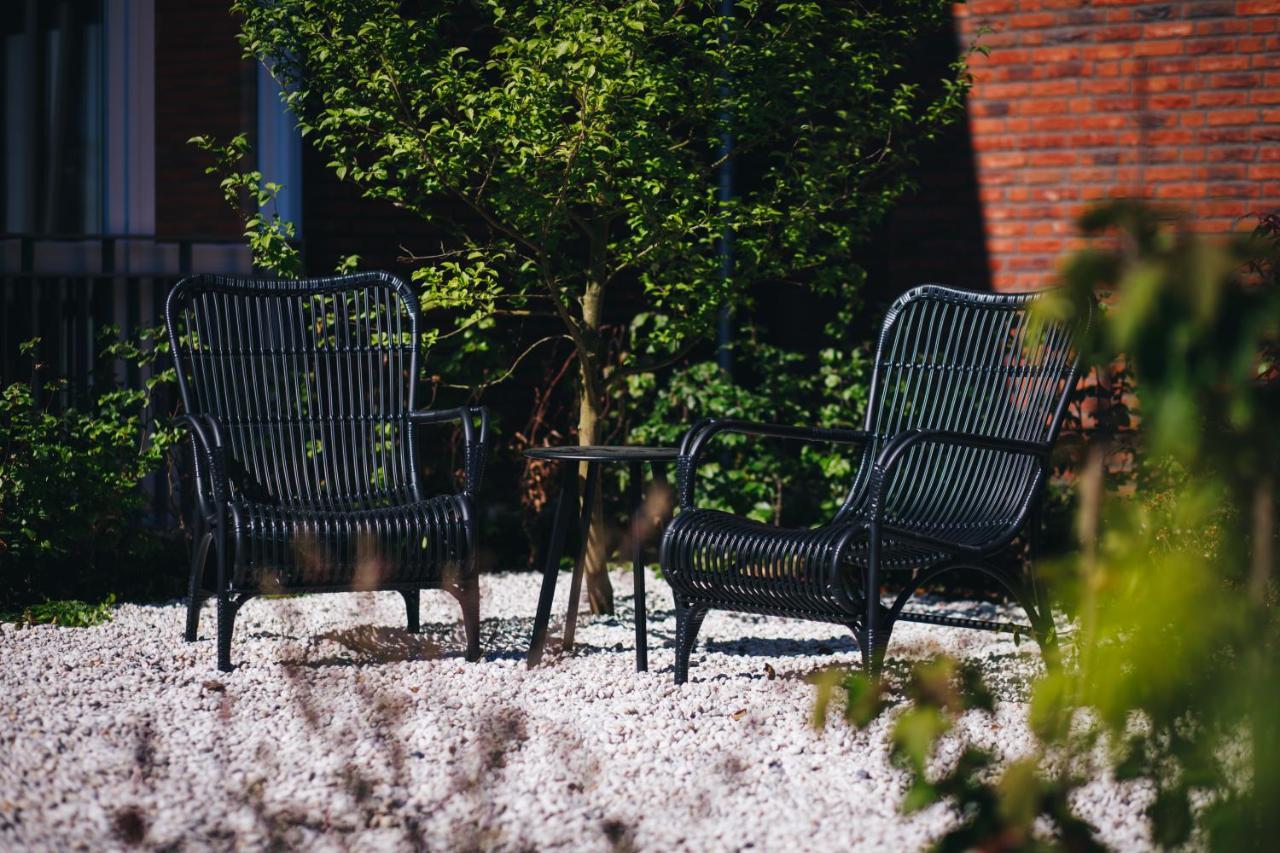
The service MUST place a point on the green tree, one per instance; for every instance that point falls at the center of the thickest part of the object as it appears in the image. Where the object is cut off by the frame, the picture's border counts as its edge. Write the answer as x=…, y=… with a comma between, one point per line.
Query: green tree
x=568, y=151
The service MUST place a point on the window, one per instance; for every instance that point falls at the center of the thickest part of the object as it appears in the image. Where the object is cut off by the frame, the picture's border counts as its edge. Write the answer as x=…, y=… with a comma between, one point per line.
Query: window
x=53, y=117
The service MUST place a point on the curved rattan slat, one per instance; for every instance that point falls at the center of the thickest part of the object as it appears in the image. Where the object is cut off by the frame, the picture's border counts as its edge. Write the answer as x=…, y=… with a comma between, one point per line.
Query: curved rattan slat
x=313, y=480
x=967, y=398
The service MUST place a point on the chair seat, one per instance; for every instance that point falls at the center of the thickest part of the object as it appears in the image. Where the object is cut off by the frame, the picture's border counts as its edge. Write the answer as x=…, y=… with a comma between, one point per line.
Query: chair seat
x=295, y=546
x=715, y=556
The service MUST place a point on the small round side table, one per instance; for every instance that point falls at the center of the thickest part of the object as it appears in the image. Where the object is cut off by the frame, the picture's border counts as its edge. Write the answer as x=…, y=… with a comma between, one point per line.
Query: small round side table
x=594, y=456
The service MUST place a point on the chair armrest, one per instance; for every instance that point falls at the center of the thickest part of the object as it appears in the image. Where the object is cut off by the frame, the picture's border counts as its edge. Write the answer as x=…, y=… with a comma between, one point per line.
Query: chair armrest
x=208, y=440
x=475, y=442
x=697, y=437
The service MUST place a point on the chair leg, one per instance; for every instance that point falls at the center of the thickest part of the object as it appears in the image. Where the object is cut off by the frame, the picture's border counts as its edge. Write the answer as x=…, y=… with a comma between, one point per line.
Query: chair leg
x=469, y=597
x=199, y=556
x=412, y=610
x=873, y=642
x=688, y=620
x=873, y=650
x=227, y=608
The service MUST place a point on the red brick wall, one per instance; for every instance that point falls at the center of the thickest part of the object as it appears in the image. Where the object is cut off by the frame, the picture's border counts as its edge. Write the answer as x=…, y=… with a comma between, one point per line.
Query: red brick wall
x=202, y=87
x=1081, y=100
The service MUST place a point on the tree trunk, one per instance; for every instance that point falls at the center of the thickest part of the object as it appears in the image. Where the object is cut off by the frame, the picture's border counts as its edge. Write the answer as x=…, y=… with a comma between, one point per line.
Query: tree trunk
x=590, y=408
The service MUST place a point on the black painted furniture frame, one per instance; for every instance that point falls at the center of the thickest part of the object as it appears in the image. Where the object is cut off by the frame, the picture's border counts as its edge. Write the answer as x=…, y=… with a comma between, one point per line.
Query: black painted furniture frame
x=299, y=400
x=569, y=457
x=966, y=402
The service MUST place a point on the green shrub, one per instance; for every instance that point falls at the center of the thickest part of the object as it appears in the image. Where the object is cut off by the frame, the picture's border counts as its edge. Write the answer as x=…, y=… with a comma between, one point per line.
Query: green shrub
x=764, y=479
x=71, y=503
x=71, y=613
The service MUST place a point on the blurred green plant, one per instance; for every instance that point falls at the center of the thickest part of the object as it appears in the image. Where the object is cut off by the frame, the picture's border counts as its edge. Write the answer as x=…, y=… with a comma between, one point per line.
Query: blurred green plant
x=71, y=465
x=1174, y=676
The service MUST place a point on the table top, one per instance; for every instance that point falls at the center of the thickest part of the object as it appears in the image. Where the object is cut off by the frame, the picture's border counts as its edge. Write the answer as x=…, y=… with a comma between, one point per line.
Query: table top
x=605, y=453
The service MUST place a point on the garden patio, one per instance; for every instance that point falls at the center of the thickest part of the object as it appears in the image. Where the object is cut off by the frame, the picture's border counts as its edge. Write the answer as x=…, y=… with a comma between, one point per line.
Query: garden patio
x=640, y=425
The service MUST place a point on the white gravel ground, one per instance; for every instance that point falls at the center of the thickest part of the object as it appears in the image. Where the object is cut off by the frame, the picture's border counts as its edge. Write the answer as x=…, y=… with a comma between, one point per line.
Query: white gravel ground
x=340, y=731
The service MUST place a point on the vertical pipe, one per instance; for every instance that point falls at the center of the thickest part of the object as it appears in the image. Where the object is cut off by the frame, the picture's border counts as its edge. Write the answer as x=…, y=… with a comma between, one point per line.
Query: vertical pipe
x=724, y=323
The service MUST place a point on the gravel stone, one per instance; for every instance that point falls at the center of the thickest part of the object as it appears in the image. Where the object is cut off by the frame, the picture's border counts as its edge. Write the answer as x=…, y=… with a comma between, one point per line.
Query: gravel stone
x=339, y=731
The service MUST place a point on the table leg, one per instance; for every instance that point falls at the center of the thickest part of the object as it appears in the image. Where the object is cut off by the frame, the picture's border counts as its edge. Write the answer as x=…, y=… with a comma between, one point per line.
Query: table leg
x=584, y=531
x=638, y=526
x=551, y=570
x=660, y=479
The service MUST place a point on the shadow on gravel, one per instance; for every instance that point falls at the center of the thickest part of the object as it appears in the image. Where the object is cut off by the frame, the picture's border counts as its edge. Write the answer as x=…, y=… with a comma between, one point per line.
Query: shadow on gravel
x=373, y=644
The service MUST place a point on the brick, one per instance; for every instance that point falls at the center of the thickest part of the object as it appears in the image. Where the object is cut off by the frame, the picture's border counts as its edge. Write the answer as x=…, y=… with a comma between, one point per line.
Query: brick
x=1006, y=56
x=1170, y=137
x=1166, y=30
x=1042, y=247
x=1103, y=122
x=1105, y=87
x=1178, y=191
x=1235, y=81
x=1220, y=208
x=1245, y=190
x=1229, y=26
x=1222, y=135
x=1059, y=70
x=1169, y=173
x=1169, y=102
x=1098, y=52
x=1222, y=172
x=1119, y=33
x=1159, y=48
x=1052, y=158
x=1264, y=172
x=1181, y=65
x=1164, y=84
x=1234, y=154
x=1229, y=62
x=1002, y=161
x=1228, y=117
x=1197, y=47
x=1258, y=7
x=1043, y=106
x=1221, y=99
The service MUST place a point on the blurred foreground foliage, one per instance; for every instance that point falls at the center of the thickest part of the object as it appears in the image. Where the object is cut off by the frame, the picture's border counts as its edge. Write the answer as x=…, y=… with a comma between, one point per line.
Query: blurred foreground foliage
x=1172, y=680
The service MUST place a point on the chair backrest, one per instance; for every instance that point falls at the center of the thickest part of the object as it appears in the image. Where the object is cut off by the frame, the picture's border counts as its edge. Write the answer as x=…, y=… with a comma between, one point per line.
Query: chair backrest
x=973, y=363
x=312, y=380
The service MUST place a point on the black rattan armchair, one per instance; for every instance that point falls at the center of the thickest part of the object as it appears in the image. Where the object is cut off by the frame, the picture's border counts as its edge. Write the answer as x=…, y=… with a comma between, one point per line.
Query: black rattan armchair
x=299, y=402
x=966, y=401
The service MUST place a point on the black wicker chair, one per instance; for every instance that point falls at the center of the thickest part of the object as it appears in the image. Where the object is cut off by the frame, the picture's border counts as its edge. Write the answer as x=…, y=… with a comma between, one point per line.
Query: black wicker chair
x=966, y=402
x=299, y=401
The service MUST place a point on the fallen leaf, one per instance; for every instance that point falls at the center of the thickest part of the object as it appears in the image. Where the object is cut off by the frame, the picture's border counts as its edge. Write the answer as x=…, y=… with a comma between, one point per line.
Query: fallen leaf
x=214, y=686
x=770, y=671
x=738, y=714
